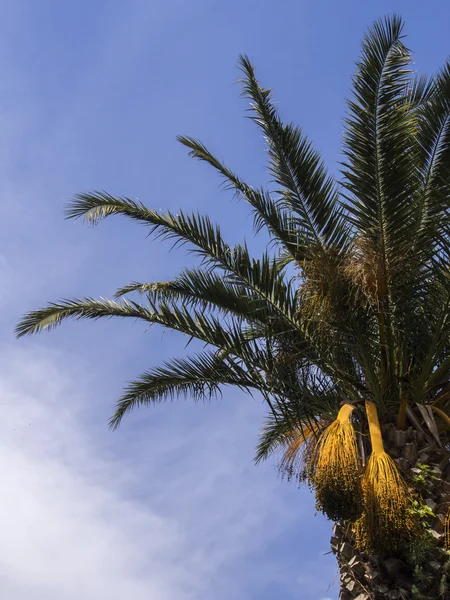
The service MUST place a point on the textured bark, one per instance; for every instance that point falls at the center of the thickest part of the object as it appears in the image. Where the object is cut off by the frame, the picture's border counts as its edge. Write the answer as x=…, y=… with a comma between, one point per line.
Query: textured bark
x=421, y=575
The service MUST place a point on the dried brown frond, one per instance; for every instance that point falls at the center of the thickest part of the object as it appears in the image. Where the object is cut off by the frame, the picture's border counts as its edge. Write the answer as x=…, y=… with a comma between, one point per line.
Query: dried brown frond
x=323, y=291
x=300, y=444
x=362, y=270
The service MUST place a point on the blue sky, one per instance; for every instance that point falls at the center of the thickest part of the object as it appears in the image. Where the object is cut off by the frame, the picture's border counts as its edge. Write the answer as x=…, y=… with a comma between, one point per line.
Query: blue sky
x=92, y=95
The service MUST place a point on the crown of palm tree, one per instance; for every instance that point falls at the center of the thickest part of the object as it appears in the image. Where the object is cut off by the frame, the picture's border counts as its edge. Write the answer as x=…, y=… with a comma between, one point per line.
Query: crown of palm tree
x=351, y=303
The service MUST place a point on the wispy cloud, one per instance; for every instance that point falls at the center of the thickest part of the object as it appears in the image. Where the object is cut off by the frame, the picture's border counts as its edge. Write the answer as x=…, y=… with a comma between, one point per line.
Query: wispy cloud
x=72, y=526
x=66, y=532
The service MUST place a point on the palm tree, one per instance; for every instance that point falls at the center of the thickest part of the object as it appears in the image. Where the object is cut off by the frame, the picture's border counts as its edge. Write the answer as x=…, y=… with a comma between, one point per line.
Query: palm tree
x=342, y=325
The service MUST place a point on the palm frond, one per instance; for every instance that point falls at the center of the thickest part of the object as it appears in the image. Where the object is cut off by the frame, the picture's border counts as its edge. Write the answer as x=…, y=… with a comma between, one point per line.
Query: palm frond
x=381, y=173
x=280, y=224
x=195, y=324
x=277, y=435
x=264, y=277
x=87, y=308
x=288, y=429
x=379, y=144
x=434, y=140
x=200, y=377
x=306, y=188
x=206, y=289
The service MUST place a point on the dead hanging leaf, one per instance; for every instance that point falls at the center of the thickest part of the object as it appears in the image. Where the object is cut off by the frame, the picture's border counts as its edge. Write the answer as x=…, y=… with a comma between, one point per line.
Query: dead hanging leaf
x=427, y=415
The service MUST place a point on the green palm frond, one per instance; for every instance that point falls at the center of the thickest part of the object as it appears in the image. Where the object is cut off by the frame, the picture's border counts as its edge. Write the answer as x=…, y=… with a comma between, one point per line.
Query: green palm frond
x=380, y=172
x=275, y=435
x=434, y=140
x=211, y=290
x=268, y=213
x=87, y=308
x=282, y=427
x=200, y=377
x=194, y=229
x=306, y=188
x=264, y=277
x=193, y=323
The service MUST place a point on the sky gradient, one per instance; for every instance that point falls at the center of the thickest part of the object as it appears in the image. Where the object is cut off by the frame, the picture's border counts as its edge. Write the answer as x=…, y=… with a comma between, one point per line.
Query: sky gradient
x=92, y=95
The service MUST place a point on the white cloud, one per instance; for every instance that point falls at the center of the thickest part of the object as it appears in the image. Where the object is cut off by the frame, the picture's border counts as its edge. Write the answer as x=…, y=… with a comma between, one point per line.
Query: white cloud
x=64, y=535
x=70, y=528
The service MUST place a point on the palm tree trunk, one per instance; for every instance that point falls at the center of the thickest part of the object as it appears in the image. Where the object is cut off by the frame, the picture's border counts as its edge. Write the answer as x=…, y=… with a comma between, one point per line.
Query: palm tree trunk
x=424, y=572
